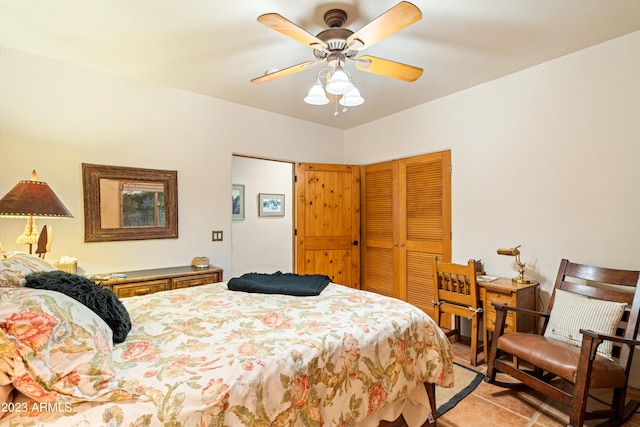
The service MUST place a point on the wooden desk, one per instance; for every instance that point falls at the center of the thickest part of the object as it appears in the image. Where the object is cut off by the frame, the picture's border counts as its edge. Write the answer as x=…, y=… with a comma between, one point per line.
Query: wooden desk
x=504, y=291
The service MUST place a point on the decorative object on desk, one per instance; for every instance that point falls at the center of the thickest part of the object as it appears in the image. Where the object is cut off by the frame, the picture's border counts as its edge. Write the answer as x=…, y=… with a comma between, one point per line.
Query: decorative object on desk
x=479, y=267
x=200, y=262
x=516, y=253
x=271, y=204
x=29, y=199
x=237, y=201
x=67, y=264
x=44, y=241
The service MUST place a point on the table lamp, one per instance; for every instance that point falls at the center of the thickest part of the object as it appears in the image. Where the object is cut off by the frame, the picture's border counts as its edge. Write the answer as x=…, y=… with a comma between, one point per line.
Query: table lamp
x=29, y=199
x=520, y=279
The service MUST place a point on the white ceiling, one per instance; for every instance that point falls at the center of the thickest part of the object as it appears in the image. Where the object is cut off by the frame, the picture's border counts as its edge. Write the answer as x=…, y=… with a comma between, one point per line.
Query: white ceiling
x=215, y=47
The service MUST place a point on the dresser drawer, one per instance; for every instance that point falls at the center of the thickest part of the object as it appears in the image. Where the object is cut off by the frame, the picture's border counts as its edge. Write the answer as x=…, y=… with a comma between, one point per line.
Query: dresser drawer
x=141, y=288
x=199, y=280
x=499, y=298
x=490, y=318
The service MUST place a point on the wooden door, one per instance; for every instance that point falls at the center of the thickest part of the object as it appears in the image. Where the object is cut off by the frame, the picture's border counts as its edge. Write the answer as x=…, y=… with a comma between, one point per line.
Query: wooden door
x=380, y=235
x=328, y=221
x=425, y=228
x=406, y=213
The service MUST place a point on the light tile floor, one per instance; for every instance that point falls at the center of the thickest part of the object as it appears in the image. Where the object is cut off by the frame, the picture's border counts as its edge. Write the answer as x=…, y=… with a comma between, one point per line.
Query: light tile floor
x=490, y=405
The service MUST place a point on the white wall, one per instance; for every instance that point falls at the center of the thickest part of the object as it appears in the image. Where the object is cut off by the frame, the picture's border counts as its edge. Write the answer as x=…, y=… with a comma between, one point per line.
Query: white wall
x=262, y=244
x=547, y=158
x=55, y=116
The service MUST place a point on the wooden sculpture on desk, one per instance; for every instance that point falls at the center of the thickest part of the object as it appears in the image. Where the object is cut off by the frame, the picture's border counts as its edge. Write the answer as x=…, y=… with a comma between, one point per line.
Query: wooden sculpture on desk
x=44, y=242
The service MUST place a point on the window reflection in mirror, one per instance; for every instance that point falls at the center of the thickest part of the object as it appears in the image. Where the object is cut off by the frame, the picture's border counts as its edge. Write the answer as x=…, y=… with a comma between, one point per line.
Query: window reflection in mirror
x=131, y=204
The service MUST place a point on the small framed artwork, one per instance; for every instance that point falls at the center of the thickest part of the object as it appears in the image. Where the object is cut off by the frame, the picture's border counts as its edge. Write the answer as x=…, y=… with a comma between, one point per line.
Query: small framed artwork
x=271, y=204
x=237, y=201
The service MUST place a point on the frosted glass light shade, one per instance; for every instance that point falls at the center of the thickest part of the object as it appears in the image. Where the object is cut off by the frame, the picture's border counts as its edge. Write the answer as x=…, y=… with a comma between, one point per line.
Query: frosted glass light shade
x=352, y=98
x=339, y=83
x=316, y=95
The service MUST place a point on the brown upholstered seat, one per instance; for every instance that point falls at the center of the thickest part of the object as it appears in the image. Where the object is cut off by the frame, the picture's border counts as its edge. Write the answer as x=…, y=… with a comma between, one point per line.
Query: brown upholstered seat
x=536, y=349
x=568, y=349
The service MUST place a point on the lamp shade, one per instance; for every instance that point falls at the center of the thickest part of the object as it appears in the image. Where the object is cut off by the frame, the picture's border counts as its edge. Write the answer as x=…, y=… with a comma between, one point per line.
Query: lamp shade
x=316, y=95
x=351, y=98
x=339, y=83
x=32, y=198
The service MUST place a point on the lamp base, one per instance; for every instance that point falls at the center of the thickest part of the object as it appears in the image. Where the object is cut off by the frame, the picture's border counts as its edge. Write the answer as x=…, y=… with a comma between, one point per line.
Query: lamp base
x=522, y=280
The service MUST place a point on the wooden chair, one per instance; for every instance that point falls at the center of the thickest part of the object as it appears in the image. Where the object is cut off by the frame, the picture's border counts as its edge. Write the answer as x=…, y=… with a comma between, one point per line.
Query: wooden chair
x=603, y=305
x=456, y=293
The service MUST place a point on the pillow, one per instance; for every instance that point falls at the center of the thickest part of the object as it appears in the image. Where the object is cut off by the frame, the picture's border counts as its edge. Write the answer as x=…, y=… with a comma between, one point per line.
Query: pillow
x=17, y=266
x=572, y=312
x=53, y=348
x=101, y=301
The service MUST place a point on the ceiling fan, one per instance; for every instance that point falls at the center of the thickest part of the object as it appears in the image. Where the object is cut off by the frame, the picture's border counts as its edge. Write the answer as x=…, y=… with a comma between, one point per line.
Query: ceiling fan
x=337, y=45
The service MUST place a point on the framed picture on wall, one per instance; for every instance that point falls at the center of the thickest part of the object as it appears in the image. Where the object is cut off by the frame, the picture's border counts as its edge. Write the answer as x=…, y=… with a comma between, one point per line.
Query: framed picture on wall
x=237, y=201
x=271, y=204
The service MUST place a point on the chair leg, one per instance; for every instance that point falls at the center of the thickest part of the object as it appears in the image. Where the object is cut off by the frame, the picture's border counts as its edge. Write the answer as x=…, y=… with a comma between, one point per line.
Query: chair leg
x=485, y=341
x=474, y=341
x=581, y=385
x=456, y=326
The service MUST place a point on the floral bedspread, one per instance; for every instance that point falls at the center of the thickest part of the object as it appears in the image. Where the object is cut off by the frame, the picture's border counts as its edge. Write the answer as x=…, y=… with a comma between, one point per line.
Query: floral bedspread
x=207, y=356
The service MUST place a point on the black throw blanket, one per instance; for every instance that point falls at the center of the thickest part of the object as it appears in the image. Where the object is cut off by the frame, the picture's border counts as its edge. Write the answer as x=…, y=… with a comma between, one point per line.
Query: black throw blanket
x=280, y=283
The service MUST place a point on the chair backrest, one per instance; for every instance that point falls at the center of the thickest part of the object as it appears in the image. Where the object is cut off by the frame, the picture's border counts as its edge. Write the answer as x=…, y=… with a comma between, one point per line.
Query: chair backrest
x=608, y=284
x=456, y=283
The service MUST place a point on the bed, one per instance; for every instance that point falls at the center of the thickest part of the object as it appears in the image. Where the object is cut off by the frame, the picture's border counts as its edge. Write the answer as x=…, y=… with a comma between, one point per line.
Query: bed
x=210, y=356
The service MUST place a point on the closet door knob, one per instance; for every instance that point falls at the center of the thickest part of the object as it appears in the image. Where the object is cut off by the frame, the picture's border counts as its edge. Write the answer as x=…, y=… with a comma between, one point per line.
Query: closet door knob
x=401, y=245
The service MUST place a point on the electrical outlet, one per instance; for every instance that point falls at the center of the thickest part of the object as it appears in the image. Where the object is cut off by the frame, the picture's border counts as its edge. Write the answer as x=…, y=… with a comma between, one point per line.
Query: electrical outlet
x=216, y=236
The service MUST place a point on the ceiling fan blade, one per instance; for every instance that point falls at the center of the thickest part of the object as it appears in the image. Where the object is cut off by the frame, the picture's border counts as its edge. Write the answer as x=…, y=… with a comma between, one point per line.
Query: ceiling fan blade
x=387, y=68
x=393, y=20
x=289, y=29
x=284, y=72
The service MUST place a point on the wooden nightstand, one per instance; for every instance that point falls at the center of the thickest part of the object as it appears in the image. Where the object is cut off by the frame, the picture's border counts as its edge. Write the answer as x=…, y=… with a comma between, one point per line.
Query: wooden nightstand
x=504, y=291
x=142, y=282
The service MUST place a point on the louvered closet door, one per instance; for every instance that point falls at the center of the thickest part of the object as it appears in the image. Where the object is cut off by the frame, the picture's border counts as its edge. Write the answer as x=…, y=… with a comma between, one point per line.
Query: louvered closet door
x=406, y=220
x=425, y=226
x=379, y=214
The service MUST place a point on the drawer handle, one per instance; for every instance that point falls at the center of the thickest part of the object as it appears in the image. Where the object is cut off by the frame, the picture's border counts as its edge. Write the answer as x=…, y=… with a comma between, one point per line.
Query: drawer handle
x=198, y=283
x=142, y=291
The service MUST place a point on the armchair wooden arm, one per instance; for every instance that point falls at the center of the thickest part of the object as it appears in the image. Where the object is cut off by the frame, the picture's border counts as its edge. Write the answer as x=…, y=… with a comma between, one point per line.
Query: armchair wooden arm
x=607, y=337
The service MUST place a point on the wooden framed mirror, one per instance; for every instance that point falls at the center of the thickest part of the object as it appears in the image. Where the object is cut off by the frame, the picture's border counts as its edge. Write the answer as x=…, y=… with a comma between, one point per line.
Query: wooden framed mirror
x=123, y=203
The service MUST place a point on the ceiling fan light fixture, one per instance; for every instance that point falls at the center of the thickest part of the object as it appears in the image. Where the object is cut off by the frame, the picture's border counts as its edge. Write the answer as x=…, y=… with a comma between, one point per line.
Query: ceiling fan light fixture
x=316, y=95
x=351, y=98
x=339, y=82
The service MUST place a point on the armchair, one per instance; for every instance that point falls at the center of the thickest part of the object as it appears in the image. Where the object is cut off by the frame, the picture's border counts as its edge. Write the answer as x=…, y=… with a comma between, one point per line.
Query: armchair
x=587, y=342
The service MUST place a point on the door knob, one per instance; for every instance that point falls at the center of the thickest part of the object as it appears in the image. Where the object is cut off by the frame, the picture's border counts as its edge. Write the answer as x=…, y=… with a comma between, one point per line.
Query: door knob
x=355, y=243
